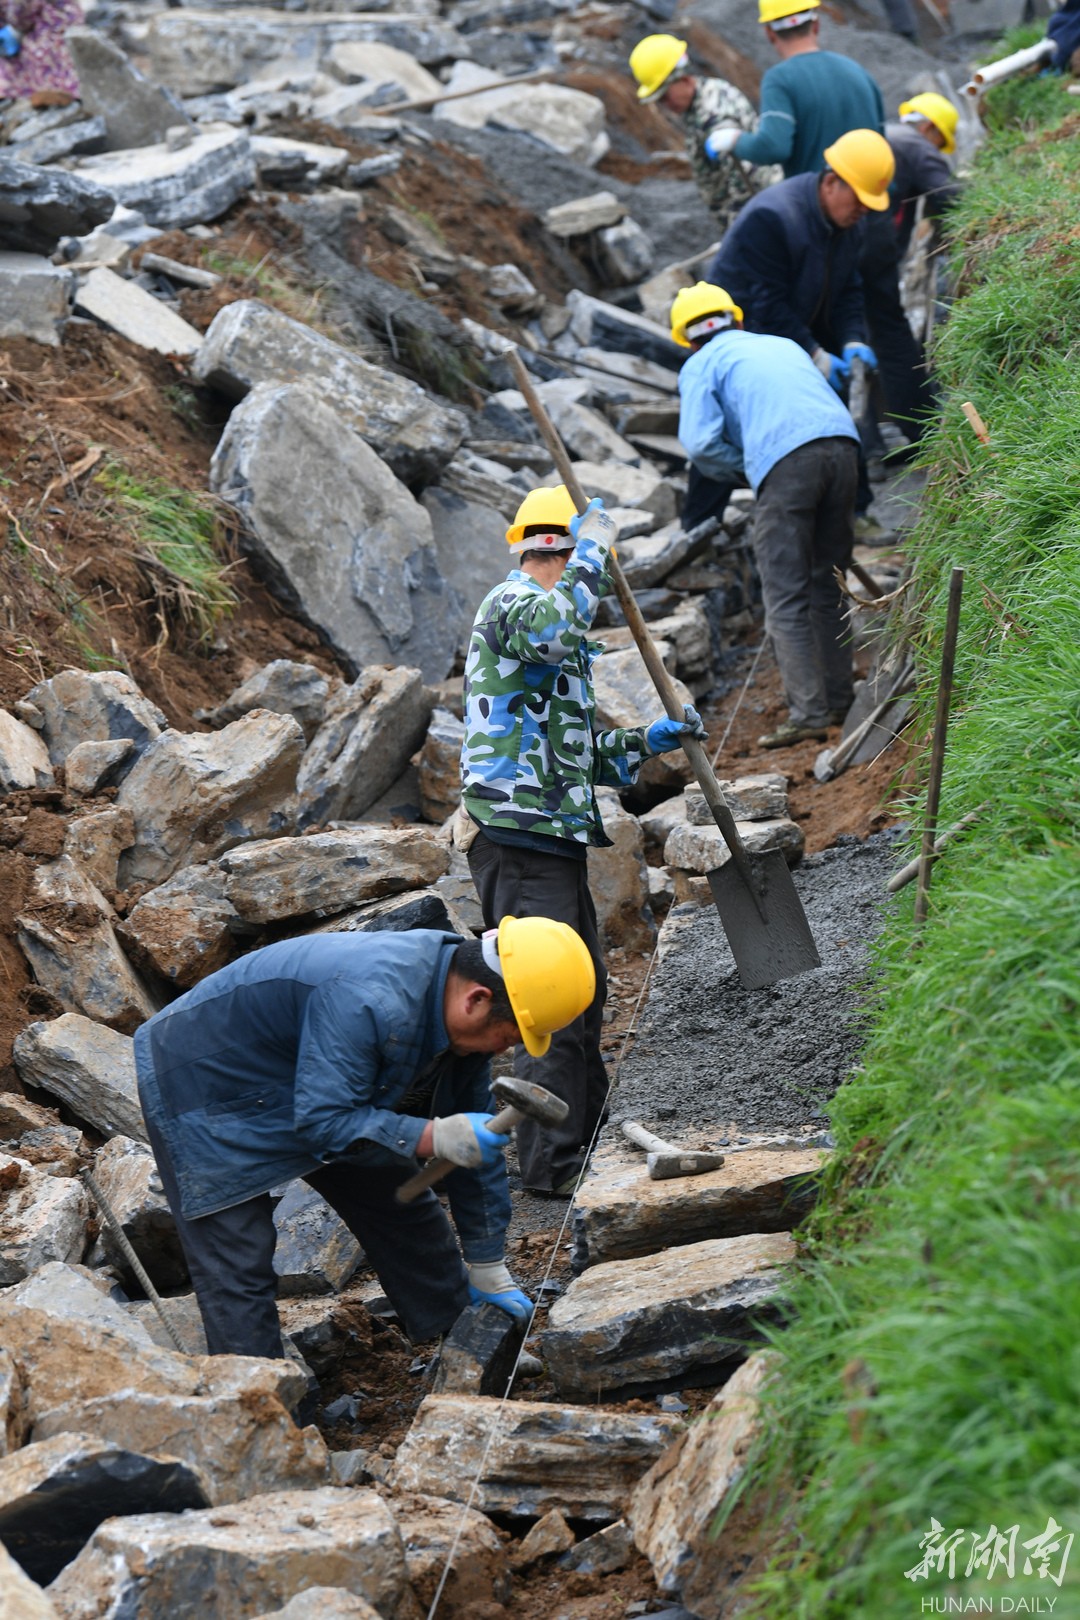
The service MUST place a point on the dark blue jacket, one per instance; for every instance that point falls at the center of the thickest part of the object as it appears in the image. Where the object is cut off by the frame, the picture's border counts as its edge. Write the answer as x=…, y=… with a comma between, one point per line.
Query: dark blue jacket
x=301, y=1054
x=790, y=271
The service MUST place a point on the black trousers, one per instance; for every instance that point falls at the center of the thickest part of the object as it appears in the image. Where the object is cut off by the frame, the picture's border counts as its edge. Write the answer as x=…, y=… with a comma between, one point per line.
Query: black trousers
x=905, y=378
x=230, y=1255
x=705, y=498
x=523, y=883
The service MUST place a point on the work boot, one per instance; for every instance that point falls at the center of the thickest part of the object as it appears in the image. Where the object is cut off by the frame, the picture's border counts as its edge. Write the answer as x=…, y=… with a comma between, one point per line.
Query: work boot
x=789, y=733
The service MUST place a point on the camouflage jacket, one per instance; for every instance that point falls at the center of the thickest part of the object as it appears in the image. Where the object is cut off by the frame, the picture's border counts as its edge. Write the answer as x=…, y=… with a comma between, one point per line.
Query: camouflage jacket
x=724, y=184
x=531, y=760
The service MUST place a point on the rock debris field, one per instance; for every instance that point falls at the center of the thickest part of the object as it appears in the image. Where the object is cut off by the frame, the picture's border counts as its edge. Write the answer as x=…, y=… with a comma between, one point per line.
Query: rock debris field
x=260, y=445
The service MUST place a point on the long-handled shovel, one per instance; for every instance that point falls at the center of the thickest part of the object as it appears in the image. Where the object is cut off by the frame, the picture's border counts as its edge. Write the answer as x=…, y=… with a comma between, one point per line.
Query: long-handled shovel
x=937, y=747
x=761, y=912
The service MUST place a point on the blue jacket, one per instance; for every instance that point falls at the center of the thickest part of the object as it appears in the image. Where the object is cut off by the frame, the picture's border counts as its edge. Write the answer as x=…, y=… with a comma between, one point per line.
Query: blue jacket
x=749, y=400
x=808, y=102
x=791, y=272
x=287, y=1059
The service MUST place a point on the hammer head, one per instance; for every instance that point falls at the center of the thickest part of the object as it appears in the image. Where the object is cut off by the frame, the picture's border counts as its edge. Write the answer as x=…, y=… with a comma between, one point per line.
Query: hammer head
x=534, y=1101
x=688, y=1162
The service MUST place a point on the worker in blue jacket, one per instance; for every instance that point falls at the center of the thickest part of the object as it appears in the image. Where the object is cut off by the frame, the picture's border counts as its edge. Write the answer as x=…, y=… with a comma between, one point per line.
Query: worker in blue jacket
x=340, y=1059
x=755, y=407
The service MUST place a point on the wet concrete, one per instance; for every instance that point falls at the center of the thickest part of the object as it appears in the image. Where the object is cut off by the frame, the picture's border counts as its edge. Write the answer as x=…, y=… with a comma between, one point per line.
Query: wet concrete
x=710, y=1053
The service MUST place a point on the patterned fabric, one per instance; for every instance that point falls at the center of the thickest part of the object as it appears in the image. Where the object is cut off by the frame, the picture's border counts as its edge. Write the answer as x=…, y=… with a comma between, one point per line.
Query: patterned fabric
x=531, y=759
x=724, y=185
x=43, y=63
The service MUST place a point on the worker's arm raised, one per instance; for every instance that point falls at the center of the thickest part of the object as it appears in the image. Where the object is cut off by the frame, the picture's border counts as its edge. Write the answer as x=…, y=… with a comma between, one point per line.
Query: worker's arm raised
x=545, y=627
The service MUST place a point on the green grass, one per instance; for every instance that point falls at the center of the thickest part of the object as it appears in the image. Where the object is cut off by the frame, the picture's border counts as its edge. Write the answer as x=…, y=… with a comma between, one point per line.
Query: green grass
x=934, y=1368
x=175, y=535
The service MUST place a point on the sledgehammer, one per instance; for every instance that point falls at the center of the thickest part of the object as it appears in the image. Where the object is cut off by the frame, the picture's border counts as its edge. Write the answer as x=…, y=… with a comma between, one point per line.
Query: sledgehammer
x=522, y=1099
x=664, y=1161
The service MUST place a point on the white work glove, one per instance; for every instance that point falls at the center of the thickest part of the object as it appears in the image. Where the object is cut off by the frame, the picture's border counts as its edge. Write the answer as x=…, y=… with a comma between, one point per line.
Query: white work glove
x=721, y=142
x=596, y=525
x=464, y=1139
x=490, y=1283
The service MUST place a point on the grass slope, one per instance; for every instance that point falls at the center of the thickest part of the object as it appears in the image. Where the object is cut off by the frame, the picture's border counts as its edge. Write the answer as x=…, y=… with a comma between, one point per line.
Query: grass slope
x=934, y=1369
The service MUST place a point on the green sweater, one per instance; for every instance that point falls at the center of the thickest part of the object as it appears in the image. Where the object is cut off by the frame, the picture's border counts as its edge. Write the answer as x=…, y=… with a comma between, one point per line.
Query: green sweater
x=808, y=102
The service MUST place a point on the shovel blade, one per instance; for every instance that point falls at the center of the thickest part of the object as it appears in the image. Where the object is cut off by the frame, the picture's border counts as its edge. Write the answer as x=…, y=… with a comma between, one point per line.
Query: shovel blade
x=770, y=948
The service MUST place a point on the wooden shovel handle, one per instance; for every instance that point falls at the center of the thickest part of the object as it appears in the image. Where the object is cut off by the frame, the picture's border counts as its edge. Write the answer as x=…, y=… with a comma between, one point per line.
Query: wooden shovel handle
x=665, y=686
x=435, y=1169
x=937, y=749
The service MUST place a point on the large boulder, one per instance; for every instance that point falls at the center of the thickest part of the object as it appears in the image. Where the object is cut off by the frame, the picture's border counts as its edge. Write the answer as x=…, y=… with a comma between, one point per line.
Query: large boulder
x=256, y=1557
x=470, y=540
x=177, y=186
x=341, y=541
x=571, y=122
x=185, y=928
x=136, y=112
x=65, y=931
x=42, y=1218
x=55, y=1493
x=367, y=736
x=87, y=1066
x=194, y=796
x=281, y=686
x=329, y=871
x=39, y=206
x=81, y=705
x=248, y=343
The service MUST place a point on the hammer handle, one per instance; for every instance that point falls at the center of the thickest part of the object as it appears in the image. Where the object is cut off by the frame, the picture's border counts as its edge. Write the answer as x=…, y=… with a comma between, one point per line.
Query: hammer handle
x=645, y=1139
x=502, y=1124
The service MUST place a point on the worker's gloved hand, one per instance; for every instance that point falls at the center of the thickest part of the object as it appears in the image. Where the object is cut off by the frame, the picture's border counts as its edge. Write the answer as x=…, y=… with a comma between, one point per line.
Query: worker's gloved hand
x=665, y=735
x=721, y=142
x=860, y=351
x=594, y=524
x=832, y=368
x=10, y=41
x=465, y=1139
x=490, y=1282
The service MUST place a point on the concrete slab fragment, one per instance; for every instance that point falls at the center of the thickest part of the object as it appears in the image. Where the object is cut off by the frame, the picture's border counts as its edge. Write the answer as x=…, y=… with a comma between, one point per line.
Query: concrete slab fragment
x=136, y=314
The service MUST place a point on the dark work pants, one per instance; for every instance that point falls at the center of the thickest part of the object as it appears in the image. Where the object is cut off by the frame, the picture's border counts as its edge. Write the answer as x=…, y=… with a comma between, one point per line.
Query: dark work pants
x=905, y=378
x=230, y=1255
x=803, y=529
x=525, y=883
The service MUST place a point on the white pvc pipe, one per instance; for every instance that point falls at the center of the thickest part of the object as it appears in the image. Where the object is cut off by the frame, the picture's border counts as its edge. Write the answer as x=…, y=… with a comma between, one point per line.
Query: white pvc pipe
x=994, y=72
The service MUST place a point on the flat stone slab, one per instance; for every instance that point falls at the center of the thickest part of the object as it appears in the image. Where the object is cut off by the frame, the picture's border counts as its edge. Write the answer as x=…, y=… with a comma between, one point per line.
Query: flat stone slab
x=541, y=1456
x=329, y=871
x=671, y=1318
x=188, y=186
x=620, y=1214
x=86, y=1065
x=136, y=314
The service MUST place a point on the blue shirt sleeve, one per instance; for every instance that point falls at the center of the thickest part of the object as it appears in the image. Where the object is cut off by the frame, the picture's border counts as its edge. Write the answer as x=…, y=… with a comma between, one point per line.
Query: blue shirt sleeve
x=703, y=429
x=776, y=127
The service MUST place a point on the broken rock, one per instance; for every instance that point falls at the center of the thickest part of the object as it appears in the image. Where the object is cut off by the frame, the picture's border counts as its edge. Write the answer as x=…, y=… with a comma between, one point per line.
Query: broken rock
x=136, y=314
x=177, y=186
x=283, y=687
x=42, y=1218
x=86, y=1065
x=584, y=214
x=95, y=843
x=569, y=121
x=33, y=297
x=13, y=1420
x=136, y=112
x=674, y=1508
x=605, y=326
x=315, y=1251
x=629, y=1324
x=248, y=343
x=325, y=1602
x=618, y=879
x=329, y=871
x=575, y=1458
x=185, y=928
x=90, y=764
x=438, y=766
x=195, y=795
x=619, y=484
x=256, y=1557
x=79, y=706
x=435, y=1531
x=20, y=1597
x=548, y=1536
x=376, y=68
x=39, y=206
x=66, y=934
x=478, y=1354
x=368, y=734
x=340, y=539
x=625, y=253
x=749, y=798
x=55, y=1493
x=24, y=759
x=702, y=849
x=127, y=1174
x=609, y=1550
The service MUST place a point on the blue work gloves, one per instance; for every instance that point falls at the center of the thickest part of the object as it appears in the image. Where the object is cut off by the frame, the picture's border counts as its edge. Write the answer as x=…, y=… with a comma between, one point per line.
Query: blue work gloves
x=832, y=368
x=465, y=1139
x=860, y=351
x=665, y=735
x=491, y=1283
x=721, y=142
x=596, y=525
x=10, y=41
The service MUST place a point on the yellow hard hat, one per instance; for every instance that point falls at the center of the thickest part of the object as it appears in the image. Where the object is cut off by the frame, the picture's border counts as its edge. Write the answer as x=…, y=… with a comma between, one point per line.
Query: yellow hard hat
x=549, y=976
x=865, y=160
x=554, y=506
x=786, y=13
x=694, y=303
x=653, y=60
x=933, y=109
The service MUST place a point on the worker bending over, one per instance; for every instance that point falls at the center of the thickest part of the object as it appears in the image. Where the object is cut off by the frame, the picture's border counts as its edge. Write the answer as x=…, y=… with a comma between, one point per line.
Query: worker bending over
x=757, y=408
x=661, y=66
x=341, y=1058
x=530, y=767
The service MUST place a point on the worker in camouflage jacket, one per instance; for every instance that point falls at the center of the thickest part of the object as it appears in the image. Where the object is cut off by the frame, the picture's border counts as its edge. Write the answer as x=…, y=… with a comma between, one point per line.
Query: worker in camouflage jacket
x=662, y=68
x=530, y=767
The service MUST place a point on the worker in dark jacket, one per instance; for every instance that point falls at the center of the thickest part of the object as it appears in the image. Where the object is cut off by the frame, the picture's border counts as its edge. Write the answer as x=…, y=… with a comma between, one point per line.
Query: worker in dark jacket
x=790, y=261
x=341, y=1058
